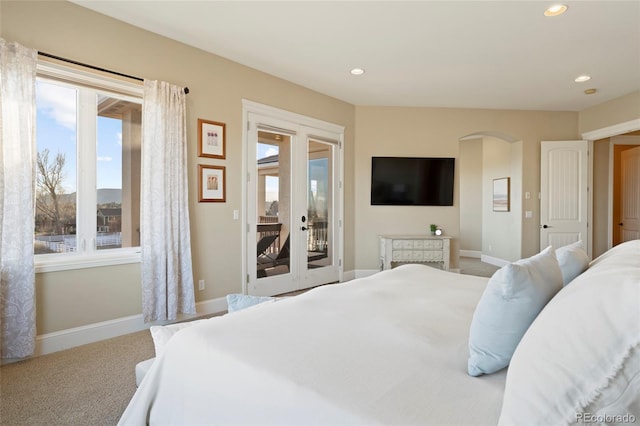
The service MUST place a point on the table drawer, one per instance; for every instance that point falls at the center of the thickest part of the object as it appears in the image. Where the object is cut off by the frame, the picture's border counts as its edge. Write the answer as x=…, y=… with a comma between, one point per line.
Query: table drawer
x=432, y=244
x=433, y=255
x=405, y=249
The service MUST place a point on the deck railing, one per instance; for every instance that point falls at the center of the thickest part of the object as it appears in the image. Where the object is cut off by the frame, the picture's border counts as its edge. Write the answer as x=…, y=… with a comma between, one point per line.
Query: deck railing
x=67, y=243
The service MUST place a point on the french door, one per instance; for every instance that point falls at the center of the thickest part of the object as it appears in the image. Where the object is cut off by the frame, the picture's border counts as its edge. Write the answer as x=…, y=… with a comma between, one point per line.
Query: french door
x=293, y=204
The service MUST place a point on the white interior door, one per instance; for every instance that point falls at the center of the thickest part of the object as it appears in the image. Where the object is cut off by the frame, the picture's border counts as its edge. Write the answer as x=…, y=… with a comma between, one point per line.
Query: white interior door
x=293, y=206
x=630, y=191
x=563, y=193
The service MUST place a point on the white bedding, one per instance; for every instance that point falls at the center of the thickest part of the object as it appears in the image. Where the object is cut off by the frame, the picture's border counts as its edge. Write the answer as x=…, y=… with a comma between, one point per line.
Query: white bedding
x=388, y=349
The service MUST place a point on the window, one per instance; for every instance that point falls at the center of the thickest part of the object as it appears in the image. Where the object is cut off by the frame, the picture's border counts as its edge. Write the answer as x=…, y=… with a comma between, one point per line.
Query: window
x=268, y=169
x=88, y=136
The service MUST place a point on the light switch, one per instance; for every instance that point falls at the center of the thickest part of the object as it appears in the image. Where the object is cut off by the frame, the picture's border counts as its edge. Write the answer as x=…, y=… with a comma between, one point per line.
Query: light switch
x=528, y=214
x=236, y=215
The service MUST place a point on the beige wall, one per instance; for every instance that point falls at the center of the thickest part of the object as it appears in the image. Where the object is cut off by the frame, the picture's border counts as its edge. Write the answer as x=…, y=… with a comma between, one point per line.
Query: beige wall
x=620, y=110
x=471, y=193
x=501, y=231
x=494, y=234
x=75, y=298
x=600, y=197
x=85, y=296
x=396, y=131
x=602, y=200
x=217, y=89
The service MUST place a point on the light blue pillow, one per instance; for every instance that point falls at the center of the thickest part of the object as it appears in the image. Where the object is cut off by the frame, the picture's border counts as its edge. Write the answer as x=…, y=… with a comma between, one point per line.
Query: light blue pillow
x=236, y=302
x=573, y=261
x=514, y=296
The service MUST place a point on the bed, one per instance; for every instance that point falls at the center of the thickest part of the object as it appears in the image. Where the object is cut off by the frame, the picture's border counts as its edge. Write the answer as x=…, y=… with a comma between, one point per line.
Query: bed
x=392, y=348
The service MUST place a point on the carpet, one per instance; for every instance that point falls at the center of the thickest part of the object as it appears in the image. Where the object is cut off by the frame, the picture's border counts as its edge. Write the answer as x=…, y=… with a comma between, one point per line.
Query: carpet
x=87, y=385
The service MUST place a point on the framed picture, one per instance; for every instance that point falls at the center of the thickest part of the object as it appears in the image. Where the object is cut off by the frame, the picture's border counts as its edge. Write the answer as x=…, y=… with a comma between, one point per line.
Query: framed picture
x=211, y=139
x=211, y=183
x=501, y=189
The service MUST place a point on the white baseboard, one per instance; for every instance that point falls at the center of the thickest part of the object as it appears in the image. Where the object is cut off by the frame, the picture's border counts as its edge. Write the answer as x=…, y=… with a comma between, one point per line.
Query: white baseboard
x=72, y=337
x=471, y=253
x=494, y=260
x=211, y=306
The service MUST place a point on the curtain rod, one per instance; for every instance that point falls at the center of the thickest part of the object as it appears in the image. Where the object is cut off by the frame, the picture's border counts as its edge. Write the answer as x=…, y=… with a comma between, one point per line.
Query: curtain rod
x=71, y=61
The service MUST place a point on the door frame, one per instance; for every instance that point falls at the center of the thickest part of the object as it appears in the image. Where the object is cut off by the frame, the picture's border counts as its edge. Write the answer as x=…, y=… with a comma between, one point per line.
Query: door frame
x=610, y=218
x=251, y=107
x=603, y=133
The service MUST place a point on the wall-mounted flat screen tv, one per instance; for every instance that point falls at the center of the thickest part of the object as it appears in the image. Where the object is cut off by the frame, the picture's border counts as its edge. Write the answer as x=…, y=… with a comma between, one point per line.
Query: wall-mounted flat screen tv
x=412, y=181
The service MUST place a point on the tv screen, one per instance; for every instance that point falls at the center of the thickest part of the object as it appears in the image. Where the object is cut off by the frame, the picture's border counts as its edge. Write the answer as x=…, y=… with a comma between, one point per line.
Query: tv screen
x=412, y=181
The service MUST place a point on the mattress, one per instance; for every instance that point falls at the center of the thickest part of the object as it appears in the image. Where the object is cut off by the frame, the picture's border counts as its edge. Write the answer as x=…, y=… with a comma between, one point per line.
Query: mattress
x=391, y=348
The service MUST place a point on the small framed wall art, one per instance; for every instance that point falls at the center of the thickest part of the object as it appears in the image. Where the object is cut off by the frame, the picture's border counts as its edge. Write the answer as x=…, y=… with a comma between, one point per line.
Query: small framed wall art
x=211, y=183
x=211, y=139
x=501, y=189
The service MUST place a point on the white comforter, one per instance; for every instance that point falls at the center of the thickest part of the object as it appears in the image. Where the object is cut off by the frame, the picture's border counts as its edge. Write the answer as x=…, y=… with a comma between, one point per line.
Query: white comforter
x=387, y=349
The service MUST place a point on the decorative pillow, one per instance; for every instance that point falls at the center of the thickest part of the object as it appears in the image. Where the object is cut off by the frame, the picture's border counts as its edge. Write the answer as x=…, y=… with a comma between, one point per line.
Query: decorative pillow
x=573, y=261
x=514, y=296
x=162, y=333
x=579, y=362
x=236, y=302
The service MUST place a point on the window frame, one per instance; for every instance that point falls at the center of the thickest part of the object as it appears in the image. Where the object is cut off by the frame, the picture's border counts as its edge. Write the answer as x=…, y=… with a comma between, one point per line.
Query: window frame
x=88, y=84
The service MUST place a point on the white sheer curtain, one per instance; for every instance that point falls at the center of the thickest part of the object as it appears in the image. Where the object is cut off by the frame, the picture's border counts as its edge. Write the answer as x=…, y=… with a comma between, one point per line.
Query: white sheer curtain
x=167, y=277
x=17, y=159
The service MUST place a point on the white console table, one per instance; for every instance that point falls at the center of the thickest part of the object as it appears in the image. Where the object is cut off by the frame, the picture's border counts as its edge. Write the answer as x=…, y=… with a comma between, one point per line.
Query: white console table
x=414, y=249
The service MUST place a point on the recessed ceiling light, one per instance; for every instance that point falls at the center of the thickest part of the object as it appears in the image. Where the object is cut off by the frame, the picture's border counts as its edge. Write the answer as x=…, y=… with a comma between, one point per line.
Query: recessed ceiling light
x=582, y=78
x=555, y=10
x=357, y=71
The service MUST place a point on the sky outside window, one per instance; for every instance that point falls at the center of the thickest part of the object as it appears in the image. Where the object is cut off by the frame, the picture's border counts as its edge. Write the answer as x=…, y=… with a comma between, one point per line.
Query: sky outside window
x=56, y=126
x=56, y=131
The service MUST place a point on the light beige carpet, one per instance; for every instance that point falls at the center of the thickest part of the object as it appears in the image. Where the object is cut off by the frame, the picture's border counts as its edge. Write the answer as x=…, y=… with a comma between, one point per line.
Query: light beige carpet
x=473, y=266
x=88, y=385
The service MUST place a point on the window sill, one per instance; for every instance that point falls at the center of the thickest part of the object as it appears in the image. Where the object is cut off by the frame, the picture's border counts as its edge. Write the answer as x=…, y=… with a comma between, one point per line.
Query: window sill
x=70, y=262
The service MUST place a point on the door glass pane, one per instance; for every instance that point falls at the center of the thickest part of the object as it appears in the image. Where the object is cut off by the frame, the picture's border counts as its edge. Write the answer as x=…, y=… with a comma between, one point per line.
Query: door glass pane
x=320, y=198
x=274, y=204
x=118, y=173
x=55, y=216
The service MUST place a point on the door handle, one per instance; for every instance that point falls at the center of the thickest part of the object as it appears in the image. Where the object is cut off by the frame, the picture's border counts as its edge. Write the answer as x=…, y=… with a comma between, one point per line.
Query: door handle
x=621, y=224
x=304, y=228
x=545, y=226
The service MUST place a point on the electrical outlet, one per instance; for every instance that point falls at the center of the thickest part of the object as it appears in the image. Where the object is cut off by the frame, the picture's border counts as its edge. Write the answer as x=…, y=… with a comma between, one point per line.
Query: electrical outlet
x=201, y=285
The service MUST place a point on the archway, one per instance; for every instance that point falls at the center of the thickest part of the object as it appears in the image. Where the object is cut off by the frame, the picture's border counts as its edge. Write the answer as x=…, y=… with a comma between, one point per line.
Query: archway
x=492, y=234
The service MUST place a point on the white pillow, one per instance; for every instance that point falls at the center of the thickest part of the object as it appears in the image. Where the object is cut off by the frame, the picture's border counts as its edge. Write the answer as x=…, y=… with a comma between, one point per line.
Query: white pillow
x=514, y=296
x=573, y=261
x=162, y=333
x=579, y=362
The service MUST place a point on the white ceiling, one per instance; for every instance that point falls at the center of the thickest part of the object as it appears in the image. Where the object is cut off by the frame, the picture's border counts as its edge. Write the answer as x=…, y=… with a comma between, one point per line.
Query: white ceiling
x=463, y=54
